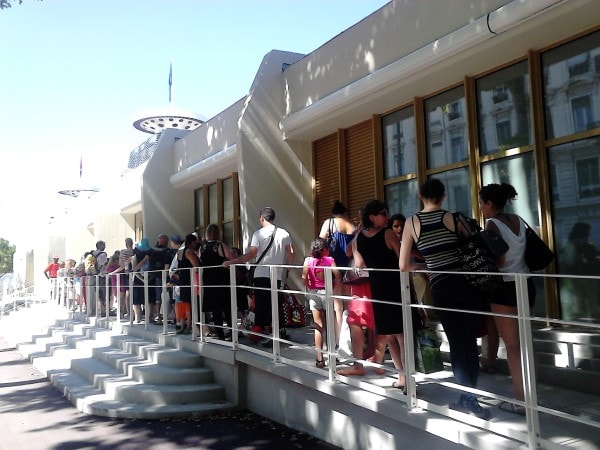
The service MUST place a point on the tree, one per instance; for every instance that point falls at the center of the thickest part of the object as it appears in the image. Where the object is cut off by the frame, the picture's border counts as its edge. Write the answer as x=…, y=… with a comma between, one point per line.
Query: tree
x=8, y=3
x=6, y=256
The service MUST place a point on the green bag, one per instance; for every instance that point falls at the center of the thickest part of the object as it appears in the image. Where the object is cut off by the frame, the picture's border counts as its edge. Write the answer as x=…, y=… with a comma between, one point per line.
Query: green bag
x=428, y=354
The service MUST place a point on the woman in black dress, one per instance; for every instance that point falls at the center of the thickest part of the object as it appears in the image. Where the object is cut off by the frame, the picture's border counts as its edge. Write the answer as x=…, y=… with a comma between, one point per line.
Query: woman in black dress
x=378, y=247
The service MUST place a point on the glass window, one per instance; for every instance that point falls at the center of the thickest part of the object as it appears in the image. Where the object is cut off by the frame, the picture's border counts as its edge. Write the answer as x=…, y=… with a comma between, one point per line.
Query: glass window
x=588, y=177
x=228, y=233
x=519, y=171
x=228, y=199
x=200, y=209
x=576, y=225
x=213, y=204
x=571, y=96
x=503, y=109
x=403, y=197
x=445, y=120
x=458, y=190
x=399, y=145
x=582, y=113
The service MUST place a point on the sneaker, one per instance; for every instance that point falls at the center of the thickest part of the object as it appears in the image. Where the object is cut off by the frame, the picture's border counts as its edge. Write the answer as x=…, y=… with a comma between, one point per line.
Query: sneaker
x=181, y=331
x=468, y=404
x=187, y=331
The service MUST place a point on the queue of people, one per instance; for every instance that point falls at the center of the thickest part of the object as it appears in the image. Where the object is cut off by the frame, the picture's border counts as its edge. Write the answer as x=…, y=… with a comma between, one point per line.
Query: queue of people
x=379, y=242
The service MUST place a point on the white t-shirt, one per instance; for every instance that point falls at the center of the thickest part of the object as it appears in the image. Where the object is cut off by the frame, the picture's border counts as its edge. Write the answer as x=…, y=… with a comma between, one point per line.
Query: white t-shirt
x=276, y=254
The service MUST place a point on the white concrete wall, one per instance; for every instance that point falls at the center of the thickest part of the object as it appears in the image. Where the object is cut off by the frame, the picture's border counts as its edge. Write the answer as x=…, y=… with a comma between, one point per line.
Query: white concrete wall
x=403, y=27
x=216, y=134
x=165, y=209
x=272, y=173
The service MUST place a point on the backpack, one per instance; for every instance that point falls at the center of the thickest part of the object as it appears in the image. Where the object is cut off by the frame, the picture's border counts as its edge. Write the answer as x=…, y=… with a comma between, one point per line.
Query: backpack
x=92, y=266
x=156, y=263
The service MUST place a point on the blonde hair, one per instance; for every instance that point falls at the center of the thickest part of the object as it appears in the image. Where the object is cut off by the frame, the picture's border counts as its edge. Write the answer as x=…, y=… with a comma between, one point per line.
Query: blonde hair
x=212, y=233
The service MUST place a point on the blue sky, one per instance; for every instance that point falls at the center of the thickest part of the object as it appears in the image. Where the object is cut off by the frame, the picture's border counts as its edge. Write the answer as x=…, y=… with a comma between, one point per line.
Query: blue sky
x=75, y=74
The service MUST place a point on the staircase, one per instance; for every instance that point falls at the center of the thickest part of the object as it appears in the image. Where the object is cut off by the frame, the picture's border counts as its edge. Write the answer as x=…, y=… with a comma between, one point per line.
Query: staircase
x=567, y=357
x=105, y=373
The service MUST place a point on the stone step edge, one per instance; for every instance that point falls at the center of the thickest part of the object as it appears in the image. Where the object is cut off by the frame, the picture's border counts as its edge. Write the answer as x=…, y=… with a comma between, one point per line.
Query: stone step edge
x=90, y=400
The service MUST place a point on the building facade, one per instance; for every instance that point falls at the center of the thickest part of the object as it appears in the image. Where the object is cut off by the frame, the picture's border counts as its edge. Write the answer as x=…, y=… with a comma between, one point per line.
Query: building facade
x=468, y=92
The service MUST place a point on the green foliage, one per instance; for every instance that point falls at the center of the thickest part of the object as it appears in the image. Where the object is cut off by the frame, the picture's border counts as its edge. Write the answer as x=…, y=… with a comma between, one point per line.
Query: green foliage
x=8, y=3
x=6, y=256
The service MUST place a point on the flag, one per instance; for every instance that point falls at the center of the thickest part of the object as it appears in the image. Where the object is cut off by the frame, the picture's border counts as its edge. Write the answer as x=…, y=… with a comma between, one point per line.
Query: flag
x=170, y=80
x=80, y=165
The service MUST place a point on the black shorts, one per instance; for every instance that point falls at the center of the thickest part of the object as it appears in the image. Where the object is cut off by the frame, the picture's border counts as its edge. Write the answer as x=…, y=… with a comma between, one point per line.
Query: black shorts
x=507, y=296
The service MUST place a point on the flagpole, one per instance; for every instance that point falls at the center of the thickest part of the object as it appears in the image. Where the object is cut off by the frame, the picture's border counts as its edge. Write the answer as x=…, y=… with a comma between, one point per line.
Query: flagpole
x=171, y=83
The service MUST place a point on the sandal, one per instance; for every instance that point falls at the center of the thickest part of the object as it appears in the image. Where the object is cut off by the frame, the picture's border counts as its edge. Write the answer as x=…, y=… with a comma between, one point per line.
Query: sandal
x=513, y=408
x=354, y=369
x=379, y=370
x=320, y=364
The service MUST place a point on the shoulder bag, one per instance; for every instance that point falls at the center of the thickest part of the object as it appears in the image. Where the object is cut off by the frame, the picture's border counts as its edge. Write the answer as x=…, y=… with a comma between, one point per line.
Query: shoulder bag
x=250, y=273
x=537, y=254
x=477, y=253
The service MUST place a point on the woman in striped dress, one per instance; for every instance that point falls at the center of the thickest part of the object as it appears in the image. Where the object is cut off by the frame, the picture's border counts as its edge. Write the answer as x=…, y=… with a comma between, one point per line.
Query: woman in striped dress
x=434, y=233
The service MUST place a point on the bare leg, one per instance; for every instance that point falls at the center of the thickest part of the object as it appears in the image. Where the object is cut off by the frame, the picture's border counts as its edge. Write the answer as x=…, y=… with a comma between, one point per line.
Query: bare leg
x=493, y=342
x=357, y=368
x=509, y=331
x=396, y=343
x=318, y=316
x=338, y=308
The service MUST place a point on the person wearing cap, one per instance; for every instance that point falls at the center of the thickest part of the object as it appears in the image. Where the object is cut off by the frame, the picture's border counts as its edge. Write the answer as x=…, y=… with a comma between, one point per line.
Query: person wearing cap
x=51, y=273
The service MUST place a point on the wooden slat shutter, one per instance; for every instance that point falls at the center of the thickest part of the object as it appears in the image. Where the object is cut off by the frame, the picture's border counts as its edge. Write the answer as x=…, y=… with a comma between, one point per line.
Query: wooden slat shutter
x=327, y=177
x=360, y=166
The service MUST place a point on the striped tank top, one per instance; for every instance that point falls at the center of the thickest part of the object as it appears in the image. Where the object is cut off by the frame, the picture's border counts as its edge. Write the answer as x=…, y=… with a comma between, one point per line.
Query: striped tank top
x=437, y=244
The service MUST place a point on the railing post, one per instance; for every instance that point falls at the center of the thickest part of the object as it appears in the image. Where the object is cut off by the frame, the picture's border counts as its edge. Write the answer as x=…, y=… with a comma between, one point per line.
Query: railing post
x=130, y=279
x=106, y=297
x=197, y=302
x=233, y=290
x=275, y=314
x=164, y=296
x=409, y=340
x=146, y=304
x=330, y=324
x=527, y=363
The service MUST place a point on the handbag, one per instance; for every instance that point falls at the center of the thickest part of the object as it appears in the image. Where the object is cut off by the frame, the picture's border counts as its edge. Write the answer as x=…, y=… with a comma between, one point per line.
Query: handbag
x=355, y=276
x=428, y=354
x=537, y=254
x=250, y=273
x=476, y=256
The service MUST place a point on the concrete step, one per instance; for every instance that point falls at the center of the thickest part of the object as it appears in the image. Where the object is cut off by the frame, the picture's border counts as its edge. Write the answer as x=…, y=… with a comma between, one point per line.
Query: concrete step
x=92, y=400
x=106, y=373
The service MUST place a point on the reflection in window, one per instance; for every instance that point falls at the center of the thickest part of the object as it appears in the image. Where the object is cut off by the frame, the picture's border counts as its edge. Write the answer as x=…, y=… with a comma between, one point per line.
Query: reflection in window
x=458, y=190
x=582, y=113
x=503, y=109
x=444, y=122
x=227, y=199
x=403, y=197
x=213, y=204
x=588, y=177
x=520, y=172
x=570, y=82
x=576, y=224
x=199, y=210
x=399, y=145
